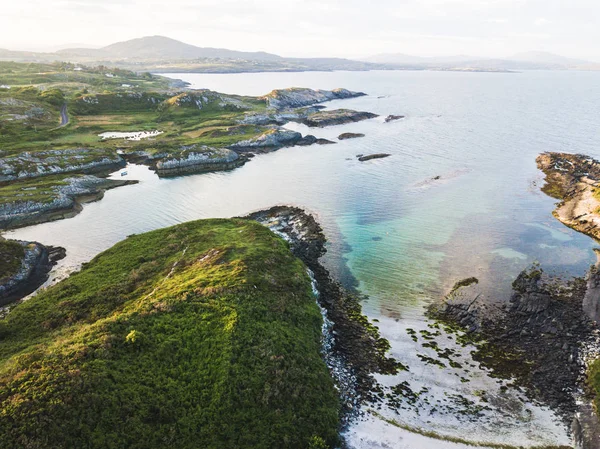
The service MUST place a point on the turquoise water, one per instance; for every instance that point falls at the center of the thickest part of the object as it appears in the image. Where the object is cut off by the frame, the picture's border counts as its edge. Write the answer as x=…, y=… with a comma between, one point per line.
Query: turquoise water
x=403, y=237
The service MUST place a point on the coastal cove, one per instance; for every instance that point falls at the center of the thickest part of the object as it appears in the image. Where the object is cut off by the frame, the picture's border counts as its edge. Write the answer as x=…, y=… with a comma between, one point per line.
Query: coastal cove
x=459, y=196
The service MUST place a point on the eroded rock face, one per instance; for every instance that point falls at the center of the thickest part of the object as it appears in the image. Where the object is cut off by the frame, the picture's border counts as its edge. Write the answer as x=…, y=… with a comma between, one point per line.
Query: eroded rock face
x=42, y=163
x=272, y=139
x=205, y=159
x=64, y=204
x=296, y=97
x=35, y=266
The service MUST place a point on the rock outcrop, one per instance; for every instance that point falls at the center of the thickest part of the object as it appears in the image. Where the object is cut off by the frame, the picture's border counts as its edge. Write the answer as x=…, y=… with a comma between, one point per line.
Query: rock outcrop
x=345, y=136
x=575, y=180
x=297, y=97
x=272, y=139
x=368, y=157
x=204, y=160
x=52, y=162
x=391, y=118
x=37, y=262
x=70, y=194
x=322, y=119
x=537, y=337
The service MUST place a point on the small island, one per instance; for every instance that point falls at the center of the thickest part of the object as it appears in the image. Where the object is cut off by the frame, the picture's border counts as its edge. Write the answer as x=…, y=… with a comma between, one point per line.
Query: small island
x=368, y=157
x=345, y=136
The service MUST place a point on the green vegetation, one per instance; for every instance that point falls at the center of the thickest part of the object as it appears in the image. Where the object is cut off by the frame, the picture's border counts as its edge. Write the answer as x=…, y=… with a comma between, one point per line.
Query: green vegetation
x=11, y=255
x=203, y=335
x=39, y=190
x=100, y=100
x=593, y=379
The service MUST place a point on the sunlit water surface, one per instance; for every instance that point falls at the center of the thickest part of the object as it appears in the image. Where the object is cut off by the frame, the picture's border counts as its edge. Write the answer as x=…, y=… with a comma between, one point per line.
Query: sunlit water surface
x=404, y=237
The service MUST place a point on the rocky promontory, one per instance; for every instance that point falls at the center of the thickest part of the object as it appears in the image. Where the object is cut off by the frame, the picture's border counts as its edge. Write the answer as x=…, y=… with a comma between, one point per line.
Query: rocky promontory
x=322, y=119
x=358, y=349
x=204, y=160
x=64, y=199
x=30, y=264
x=52, y=162
x=297, y=97
x=575, y=180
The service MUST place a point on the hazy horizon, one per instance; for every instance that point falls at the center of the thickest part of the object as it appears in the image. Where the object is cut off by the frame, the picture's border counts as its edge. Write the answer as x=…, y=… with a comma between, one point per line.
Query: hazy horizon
x=485, y=28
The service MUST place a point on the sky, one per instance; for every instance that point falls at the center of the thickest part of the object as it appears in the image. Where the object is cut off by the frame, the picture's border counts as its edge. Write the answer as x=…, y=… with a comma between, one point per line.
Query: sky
x=344, y=28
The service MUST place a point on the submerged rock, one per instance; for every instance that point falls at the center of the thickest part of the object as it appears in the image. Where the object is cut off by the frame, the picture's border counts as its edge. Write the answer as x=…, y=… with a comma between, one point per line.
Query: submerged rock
x=391, y=118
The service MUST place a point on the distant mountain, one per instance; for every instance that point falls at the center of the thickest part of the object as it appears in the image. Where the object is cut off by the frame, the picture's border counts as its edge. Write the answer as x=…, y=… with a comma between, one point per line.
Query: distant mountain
x=163, y=54
x=533, y=60
x=163, y=48
x=543, y=57
x=400, y=58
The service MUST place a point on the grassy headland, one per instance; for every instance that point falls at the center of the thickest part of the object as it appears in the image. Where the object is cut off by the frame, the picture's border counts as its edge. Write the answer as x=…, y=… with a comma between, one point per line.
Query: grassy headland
x=204, y=334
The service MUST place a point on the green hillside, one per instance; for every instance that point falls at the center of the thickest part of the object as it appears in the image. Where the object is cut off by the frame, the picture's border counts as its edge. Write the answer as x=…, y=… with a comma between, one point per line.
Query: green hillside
x=203, y=335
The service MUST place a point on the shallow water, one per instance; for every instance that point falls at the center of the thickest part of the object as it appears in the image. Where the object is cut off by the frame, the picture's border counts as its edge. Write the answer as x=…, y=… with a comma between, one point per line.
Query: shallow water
x=403, y=235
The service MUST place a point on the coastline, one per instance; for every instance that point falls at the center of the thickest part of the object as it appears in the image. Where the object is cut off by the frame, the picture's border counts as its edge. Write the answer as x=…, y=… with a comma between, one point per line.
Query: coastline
x=573, y=179
x=35, y=267
x=357, y=344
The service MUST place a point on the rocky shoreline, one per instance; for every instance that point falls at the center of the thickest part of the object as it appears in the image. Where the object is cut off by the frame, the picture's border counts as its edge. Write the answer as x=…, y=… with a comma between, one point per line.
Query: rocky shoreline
x=537, y=336
x=357, y=343
x=574, y=179
x=67, y=196
x=69, y=200
x=547, y=336
x=35, y=267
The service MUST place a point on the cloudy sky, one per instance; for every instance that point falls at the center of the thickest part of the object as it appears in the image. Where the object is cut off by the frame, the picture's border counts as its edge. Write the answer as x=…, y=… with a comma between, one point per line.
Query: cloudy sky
x=349, y=28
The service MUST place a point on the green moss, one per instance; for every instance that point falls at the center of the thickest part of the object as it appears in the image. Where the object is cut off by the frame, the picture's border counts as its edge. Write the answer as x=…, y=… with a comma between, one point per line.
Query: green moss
x=593, y=380
x=204, y=335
